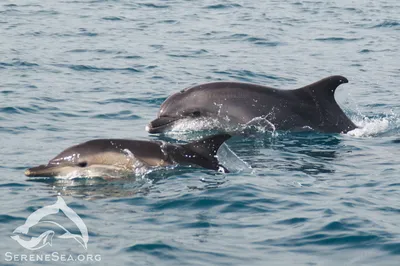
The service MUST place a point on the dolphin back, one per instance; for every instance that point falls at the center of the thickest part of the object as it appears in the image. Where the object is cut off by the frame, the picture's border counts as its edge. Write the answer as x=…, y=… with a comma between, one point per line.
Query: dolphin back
x=202, y=152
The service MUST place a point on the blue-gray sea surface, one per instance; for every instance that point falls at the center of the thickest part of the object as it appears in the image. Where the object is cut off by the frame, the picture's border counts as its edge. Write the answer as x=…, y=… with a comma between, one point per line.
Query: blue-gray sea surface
x=71, y=71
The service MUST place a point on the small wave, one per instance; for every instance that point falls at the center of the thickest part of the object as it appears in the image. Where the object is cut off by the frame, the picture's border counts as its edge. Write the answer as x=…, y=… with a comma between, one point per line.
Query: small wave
x=101, y=51
x=292, y=221
x=188, y=54
x=169, y=21
x=123, y=115
x=113, y=18
x=13, y=185
x=222, y=6
x=47, y=12
x=7, y=92
x=64, y=114
x=153, y=5
x=89, y=34
x=16, y=130
x=18, y=63
x=129, y=56
x=254, y=40
x=250, y=76
x=369, y=126
x=5, y=219
x=392, y=248
x=363, y=51
x=387, y=24
x=18, y=110
x=239, y=36
x=151, y=248
x=153, y=102
x=78, y=51
x=50, y=100
x=263, y=41
x=97, y=69
x=337, y=39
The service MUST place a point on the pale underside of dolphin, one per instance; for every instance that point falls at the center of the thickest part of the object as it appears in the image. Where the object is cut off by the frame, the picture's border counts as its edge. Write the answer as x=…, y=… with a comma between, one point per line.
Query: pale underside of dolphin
x=311, y=107
x=114, y=157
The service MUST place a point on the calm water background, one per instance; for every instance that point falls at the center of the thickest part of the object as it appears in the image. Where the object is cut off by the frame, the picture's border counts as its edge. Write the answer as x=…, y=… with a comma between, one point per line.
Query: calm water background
x=71, y=71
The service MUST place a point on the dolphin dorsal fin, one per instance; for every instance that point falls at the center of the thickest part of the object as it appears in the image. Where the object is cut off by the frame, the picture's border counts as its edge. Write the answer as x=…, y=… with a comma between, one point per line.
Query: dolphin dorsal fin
x=209, y=146
x=324, y=88
x=203, y=152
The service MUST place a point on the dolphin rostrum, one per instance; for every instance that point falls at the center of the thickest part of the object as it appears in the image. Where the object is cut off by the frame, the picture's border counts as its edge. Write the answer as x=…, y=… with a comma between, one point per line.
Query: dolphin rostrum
x=110, y=157
x=234, y=103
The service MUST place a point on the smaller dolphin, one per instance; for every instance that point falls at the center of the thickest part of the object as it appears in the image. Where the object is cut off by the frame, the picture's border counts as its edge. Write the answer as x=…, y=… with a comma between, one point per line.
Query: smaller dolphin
x=109, y=157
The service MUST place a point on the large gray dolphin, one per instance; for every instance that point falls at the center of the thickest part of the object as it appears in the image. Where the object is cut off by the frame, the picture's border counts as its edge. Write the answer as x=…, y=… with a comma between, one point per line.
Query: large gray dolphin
x=111, y=157
x=310, y=107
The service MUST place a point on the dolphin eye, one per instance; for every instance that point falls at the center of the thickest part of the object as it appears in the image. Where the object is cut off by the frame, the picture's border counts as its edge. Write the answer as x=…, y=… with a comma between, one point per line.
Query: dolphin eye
x=82, y=164
x=196, y=113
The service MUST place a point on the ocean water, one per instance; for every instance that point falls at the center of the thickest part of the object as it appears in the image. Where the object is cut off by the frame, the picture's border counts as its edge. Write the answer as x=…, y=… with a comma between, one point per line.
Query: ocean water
x=71, y=71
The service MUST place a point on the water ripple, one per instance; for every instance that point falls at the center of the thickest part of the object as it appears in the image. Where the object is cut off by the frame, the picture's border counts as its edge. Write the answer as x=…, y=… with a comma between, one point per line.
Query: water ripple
x=135, y=101
x=97, y=69
x=122, y=115
x=338, y=39
x=151, y=248
x=248, y=76
x=18, y=110
x=113, y=18
x=5, y=219
x=13, y=185
x=293, y=221
x=150, y=5
x=387, y=24
x=18, y=63
x=223, y=6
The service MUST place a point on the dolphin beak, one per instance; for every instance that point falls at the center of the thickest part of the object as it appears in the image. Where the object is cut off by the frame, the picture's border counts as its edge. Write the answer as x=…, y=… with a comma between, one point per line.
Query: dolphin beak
x=161, y=124
x=42, y=170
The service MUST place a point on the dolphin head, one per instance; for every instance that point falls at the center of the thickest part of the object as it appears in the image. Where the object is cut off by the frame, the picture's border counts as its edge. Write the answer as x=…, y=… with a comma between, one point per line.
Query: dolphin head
x=193, y=103
x=90, y=159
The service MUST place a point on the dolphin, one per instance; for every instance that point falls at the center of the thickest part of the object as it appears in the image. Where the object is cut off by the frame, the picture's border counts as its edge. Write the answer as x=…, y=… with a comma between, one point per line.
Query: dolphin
x=110, y=157
x=235, y=103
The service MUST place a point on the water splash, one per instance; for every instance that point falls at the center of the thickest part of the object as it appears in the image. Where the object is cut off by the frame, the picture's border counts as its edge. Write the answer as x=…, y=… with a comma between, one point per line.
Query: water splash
x=259, y=124
x=368, y=127
x=188, y=125
x=231, y=160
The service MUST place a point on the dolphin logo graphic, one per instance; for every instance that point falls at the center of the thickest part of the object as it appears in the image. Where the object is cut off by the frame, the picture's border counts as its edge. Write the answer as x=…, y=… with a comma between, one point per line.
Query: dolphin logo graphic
x=36, y=242
x=46, y=238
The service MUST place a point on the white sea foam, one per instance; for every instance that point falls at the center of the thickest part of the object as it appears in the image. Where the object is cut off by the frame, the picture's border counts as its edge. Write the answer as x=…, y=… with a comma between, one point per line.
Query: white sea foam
x=371, y=126
x=257, y=124
x=189, y=124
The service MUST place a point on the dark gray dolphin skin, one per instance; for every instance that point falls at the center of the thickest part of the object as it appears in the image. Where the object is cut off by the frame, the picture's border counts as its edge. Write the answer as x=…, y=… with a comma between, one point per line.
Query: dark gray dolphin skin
x=101, y=157
x=312, y=106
